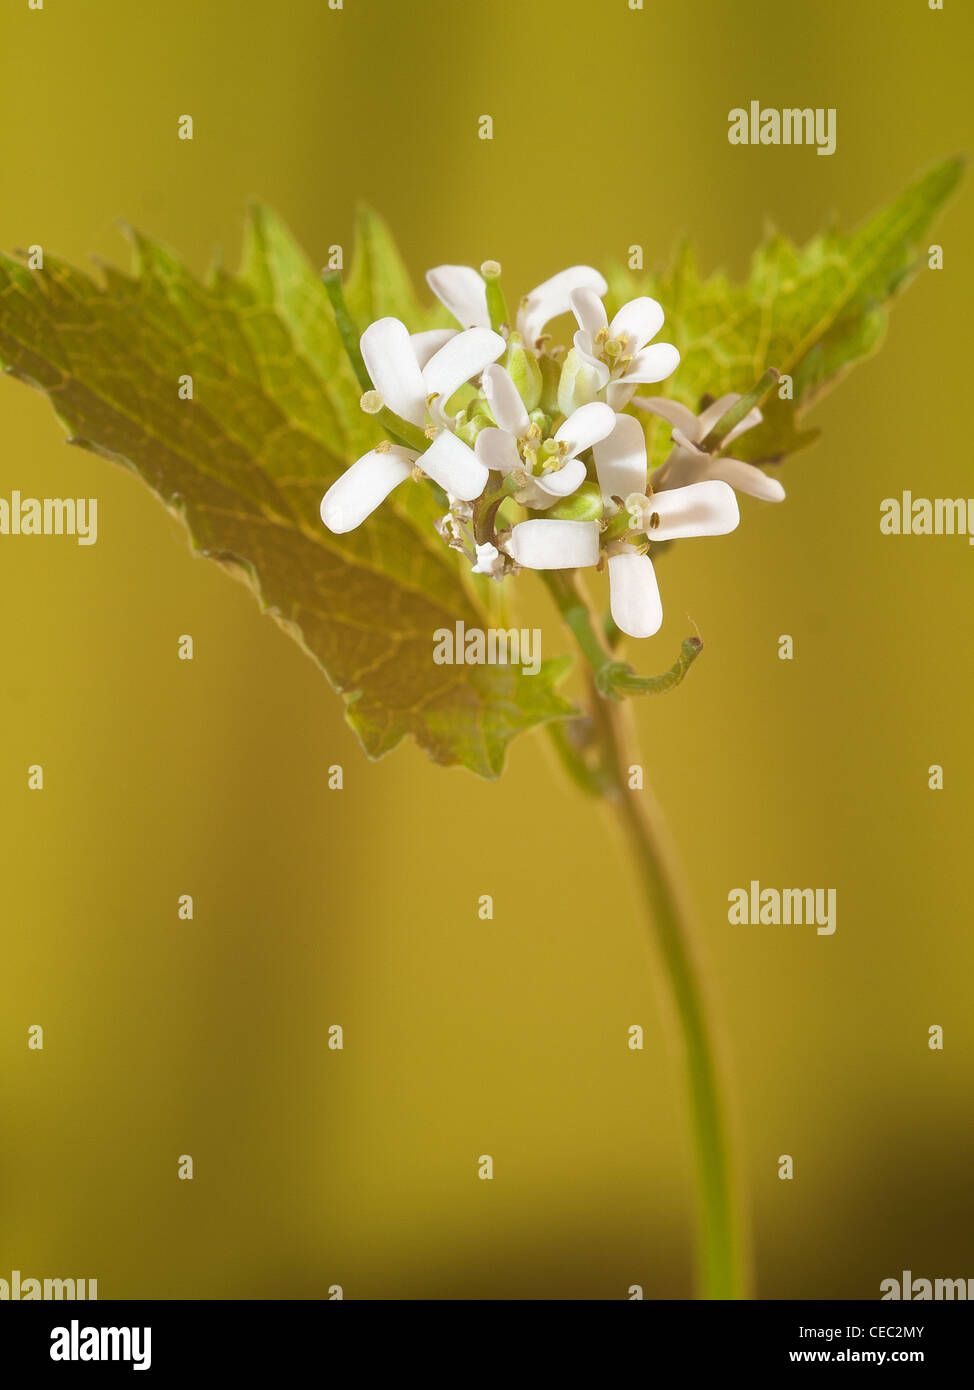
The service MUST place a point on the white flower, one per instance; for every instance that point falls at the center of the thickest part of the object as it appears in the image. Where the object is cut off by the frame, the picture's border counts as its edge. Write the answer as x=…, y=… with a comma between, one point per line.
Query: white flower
x=552, y=467
x=413, y=378
x=687, y=463
x=615, y=357
x=706, y=508
x=463, y=291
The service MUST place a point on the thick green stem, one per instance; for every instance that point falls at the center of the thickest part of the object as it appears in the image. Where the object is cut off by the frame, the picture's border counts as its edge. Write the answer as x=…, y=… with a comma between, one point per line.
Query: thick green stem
x=607, y=753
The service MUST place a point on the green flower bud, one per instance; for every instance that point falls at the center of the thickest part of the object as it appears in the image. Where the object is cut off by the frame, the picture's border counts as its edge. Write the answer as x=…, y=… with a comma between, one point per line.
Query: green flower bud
x=480, y=409
x=550, y=376
x=583, y=505
x=576, y=385
x=469, y=429
x=524, y=371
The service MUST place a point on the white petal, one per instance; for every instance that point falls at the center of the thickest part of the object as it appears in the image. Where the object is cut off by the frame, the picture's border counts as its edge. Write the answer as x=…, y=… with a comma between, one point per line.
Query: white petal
x=682, y=466
x=505, y=403
x=425, y=344
x=392, y=365
x=654, y=363
x=553, y=297
x=360, y=489
x=585, y=427
x=701, y=509
x=497, y=449
x=464, y=356
x=618, y=394
x=463, y=291
x=677, y=414
x=748, y=479
x=639, y=320
x=620, y=459
x=455, y=466
x=589, y=310
x=688, y=446
x=563, y=481
x=540, y=544
x=634, y=600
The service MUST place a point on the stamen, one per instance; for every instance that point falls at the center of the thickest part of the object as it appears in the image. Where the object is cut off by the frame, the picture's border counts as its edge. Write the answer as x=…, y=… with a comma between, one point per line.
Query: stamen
x=371, y=402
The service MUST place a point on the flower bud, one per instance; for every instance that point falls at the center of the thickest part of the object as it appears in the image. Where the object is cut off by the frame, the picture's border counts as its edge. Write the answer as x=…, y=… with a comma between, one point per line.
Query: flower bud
x=576, y=385
x=468, y=430
x=585, y=504
x=524, y=372
x=550, y=376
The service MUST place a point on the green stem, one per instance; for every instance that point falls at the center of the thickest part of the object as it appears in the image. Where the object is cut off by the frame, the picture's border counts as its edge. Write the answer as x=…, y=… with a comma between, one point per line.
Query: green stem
x=612, y=750
x=613, y=679
x=720, y=1271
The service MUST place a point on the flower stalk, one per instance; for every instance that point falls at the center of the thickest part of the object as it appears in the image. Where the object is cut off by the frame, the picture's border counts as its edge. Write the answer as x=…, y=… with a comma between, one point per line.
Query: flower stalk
x=599, y=763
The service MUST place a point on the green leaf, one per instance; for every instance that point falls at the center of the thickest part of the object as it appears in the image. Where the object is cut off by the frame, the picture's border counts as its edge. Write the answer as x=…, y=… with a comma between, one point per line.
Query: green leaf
x=274, y=420
x=811, y=312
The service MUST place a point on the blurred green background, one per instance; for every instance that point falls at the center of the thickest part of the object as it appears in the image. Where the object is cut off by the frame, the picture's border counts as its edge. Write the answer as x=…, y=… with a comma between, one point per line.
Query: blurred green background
x=358, y=907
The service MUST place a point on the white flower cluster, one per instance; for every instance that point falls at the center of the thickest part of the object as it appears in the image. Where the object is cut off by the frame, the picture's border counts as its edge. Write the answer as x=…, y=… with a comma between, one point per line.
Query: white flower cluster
x=546, y=433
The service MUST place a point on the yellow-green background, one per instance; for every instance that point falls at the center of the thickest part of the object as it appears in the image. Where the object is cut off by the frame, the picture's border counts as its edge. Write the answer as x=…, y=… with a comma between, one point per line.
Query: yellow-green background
x=359, y=907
